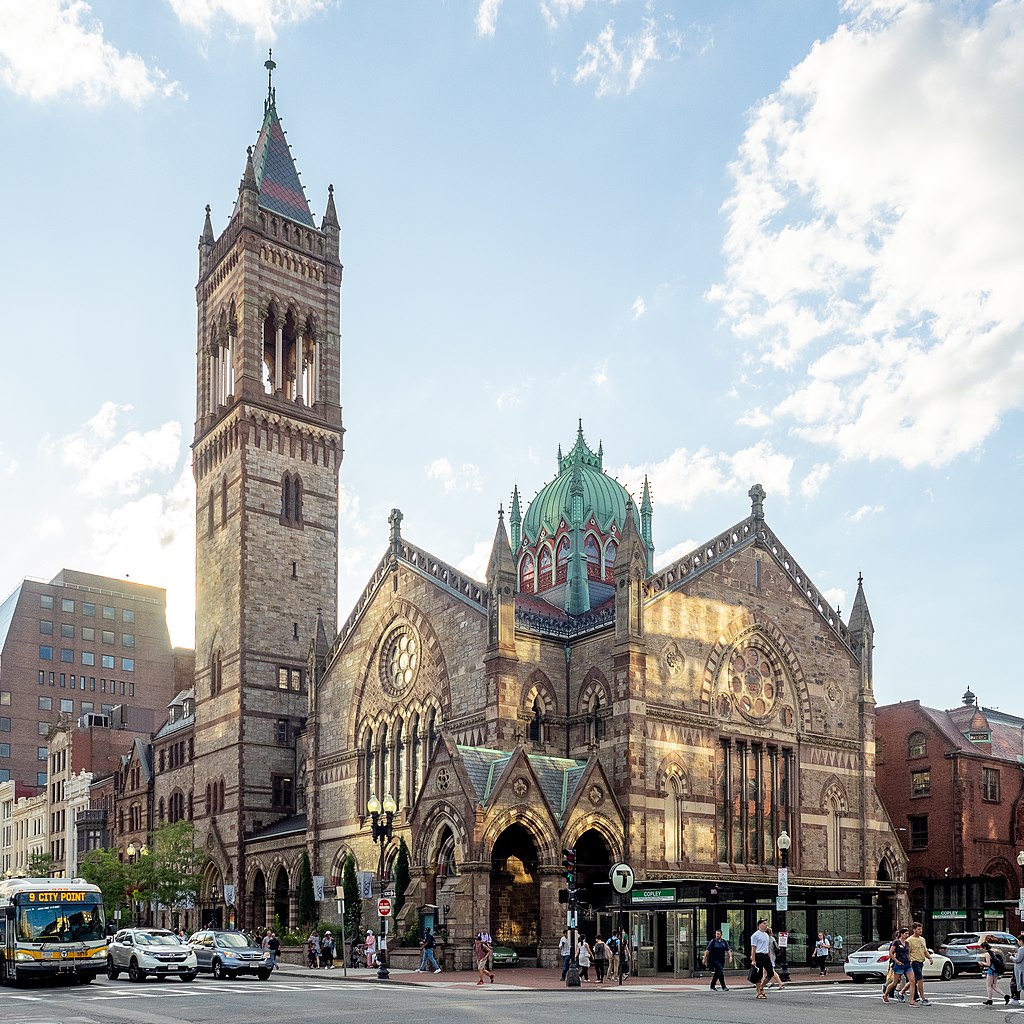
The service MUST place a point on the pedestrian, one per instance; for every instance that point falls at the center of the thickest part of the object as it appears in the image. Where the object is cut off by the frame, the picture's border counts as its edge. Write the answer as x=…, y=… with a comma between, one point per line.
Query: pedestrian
x=600, y=952
x=613, y=955
x=821, y=951
x=989, y=966
x=1017, y=978
x=716, y=953
x=313, y=950
x=584, y=956
x=902, y=973
x=760, y=958
x=625, y=954
x=427, y=945
x=273, y=948
x=481, y=951
x=563, y=952
x=327, y=950
x=918, y=954
x=370, y=948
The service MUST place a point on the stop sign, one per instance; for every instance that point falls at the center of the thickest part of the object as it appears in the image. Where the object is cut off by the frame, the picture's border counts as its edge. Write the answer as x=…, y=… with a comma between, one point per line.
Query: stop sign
x=384, y=906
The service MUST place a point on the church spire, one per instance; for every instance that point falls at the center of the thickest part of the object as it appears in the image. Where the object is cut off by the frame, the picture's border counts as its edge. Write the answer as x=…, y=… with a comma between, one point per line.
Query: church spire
x=862, y=633
x=646, y=517
x=577, y=592
x=271, y=96
x=515, y=520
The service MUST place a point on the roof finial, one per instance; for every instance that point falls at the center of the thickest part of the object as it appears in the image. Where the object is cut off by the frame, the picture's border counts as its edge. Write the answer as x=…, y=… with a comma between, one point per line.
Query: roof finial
x=270, y=65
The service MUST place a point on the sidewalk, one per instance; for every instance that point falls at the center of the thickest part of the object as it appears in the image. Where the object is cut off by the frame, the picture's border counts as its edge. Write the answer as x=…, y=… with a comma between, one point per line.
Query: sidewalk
x=549, y=979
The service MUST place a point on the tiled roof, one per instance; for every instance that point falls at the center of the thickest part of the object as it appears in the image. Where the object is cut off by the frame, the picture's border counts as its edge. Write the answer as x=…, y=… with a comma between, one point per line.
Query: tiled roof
x=280, y=190
x=1007, y=735
x=284, y=827
x=484, y=768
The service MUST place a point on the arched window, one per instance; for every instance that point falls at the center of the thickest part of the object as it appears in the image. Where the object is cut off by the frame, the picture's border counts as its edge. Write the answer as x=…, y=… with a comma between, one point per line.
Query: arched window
x=562, y=560
x=209, y=800
x=544, y=569
x=593, y=555
x=220, y=796
x=368, y=772
x=223, y=500
x=209, y=511
x=673, y=820
x=432, y=734
x=415, y=759
x=526, y=574
x=917, y=744
x=835, y=847
x=609, y=558
x=400, y=779
x=537, y=722
x=385, y=763
x=596, y=721
x=160, y=811
x=216, y=678
x=291, y=499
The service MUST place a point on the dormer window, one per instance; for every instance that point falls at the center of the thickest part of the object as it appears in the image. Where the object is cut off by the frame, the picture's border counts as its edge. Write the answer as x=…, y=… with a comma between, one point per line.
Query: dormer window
x=980, y=737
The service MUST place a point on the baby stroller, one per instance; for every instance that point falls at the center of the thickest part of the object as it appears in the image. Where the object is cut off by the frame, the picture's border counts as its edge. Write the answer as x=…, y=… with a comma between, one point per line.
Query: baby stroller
x=356, y=955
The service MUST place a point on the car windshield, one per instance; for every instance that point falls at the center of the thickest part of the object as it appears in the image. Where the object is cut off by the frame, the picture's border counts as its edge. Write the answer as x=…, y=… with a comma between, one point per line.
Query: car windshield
x=156, y=939
x=234, y=939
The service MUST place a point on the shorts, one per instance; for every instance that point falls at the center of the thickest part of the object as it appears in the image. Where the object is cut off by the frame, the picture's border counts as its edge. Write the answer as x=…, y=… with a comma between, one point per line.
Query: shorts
x=918, y=967
x=764, y=963
x=481, y=965
x=901, y=969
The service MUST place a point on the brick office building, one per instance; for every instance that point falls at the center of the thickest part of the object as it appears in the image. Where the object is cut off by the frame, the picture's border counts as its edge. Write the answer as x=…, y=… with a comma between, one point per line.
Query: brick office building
x=953, y=784
x=76, y=645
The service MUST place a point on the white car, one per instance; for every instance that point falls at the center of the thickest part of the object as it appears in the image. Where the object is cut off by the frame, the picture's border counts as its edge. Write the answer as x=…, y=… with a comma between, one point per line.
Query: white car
x=149, y=951
x=872, y=961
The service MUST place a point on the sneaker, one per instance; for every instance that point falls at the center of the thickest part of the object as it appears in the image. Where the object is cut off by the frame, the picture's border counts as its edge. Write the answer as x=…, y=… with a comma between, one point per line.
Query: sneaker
x=988, y=1002
x=438, y=971
x=724, y=989
x=418, y=971
x=1006, y=1000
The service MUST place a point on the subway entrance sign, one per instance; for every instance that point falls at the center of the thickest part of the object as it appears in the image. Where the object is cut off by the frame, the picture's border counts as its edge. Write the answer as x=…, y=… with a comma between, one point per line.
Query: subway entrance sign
x=642, y=895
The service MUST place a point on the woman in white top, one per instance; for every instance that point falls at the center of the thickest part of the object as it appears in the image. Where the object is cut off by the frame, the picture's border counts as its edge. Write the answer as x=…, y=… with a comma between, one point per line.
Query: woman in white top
x=821, y=951
x=585, y=958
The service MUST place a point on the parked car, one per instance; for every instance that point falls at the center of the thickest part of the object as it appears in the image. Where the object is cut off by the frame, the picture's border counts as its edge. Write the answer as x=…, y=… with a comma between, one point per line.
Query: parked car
x=964, y=948
x=226, y=954
x=872, y=961
x=149, y=951
x=503, y=956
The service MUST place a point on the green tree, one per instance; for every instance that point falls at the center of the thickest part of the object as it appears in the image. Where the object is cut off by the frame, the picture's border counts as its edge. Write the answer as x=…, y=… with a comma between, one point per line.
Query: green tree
x=174, y=875
x=353, y=902
x=307, y=905
x=39, y=865
x=105, y=869
x=402, y=876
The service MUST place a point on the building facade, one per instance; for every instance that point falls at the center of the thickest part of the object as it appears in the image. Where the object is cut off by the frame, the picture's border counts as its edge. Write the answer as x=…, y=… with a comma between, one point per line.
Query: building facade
x=953, y=784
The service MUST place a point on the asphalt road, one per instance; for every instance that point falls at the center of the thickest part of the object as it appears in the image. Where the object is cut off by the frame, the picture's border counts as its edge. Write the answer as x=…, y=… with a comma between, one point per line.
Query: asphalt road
x=298, y=1000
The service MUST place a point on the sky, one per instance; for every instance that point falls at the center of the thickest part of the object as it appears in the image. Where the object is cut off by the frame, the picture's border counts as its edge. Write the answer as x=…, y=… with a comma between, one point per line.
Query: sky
x=772, y=241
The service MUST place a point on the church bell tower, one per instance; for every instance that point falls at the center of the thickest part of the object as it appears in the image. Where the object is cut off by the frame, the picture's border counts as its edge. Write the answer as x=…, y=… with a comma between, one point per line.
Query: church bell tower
x=266, y=456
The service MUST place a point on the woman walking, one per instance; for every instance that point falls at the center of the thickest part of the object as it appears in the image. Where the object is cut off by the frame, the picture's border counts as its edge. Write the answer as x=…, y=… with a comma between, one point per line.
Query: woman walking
x=822, y=948
x=988, y=968
x=481, y=951
x=600, y=958
x=899, y=962
x=585, y=957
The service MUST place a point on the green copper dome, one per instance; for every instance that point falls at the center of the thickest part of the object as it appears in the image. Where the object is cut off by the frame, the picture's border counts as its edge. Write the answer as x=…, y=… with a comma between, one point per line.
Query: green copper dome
x=604, y=499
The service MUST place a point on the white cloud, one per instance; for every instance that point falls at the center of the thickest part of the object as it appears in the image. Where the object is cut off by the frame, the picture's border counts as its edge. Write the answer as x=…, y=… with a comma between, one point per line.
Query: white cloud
x=684, y=477
x=639, y=307
x=873, y=247
x=474, y=564
x=264, y=18
x=487, y=17
x=862, y=513
x=49, y=526
x=123, y=466
x=600, y=374
x=835, y=596
x=617, y=65
x=756, y=417
x=466, y=478
x=672, y=554
x=555, y=12
x=814, y=480
x=56, y=48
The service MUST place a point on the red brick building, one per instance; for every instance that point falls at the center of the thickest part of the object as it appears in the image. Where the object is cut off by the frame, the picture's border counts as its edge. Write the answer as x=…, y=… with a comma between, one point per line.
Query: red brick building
x=953, y=784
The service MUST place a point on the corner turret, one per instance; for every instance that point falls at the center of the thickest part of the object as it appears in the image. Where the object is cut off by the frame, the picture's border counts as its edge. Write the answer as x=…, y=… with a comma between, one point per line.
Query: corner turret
x=862, y=634
x=646, y=517
x=515, y=520
x=501, y=584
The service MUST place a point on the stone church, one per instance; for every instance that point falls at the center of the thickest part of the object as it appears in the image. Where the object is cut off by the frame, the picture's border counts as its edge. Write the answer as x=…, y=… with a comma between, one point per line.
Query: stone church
x=677, y=720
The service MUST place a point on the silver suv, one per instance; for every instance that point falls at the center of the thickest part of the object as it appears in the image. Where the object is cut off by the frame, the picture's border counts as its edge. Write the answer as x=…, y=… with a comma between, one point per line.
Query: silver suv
x=149, y=951
x=964, y=948
x=226, y=954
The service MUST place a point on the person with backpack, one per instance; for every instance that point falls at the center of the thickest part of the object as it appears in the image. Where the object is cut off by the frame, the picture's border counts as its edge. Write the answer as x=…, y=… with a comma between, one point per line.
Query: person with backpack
x=427, y=945
x=613, y=955
x=992, y=966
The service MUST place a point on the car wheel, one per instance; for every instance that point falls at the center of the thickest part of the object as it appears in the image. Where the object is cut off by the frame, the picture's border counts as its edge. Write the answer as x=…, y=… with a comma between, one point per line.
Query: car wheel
x=136, y=973
x=947, y=972
x=218, y=970
x=263, y=974
x=112, y=972
x=189, y=976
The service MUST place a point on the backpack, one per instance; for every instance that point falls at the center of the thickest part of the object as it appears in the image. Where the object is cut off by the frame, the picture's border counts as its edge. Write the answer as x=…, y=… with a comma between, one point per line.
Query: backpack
x=998, y=963
x=613, y=945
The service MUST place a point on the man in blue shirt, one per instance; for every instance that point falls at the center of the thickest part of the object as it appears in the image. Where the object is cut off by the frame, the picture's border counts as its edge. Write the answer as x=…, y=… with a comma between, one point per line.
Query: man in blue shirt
x=714, y=957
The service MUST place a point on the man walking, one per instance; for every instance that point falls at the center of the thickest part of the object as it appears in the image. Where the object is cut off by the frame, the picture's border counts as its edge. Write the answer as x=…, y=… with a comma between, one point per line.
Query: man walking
x=482, y=951
x=427, y=945
x=760, y=957
x=714, y=957
x=918, y=954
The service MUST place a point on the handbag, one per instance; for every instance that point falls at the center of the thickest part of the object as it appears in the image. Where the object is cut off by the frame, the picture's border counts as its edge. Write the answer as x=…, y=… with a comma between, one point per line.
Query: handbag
x=755, y=974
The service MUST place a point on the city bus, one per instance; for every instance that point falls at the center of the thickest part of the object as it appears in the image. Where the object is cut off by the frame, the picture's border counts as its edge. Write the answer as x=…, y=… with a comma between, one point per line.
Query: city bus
x=51, y=927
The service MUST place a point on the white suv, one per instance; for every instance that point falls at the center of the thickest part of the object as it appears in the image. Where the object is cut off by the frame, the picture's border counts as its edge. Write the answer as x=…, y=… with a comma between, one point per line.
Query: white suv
x=149, y=951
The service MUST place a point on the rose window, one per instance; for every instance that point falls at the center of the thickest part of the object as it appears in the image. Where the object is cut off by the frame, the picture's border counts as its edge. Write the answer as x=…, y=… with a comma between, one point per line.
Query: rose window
x=753, y=683
x=400, y=660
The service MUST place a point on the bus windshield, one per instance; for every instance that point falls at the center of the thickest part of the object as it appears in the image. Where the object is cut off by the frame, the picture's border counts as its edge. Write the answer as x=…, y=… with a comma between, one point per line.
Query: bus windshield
x=60, y=922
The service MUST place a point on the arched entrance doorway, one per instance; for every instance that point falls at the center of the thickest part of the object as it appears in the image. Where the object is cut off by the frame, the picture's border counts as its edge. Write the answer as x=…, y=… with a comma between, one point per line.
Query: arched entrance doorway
x=515, y=891
x=281, y=899
x=211, y=907
x=593, y=864
x=259, y=900
x=886, y=903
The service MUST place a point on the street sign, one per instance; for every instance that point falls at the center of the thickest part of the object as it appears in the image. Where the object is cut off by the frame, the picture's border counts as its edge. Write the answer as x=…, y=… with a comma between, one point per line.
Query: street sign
x=781, y=903
x=1020, y=904
x=783, y=940
x=654, y=896
x=571, y=919
x=318, y=888
x=384, y=907
x=783, y=881
x=388, y=892
x=622, y=878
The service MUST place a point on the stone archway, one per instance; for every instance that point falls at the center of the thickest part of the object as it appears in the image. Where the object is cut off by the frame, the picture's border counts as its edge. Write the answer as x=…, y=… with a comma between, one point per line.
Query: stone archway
x=887, y=922
x=259, y=899
x=515, y=890
x=593, y=865
x=282, y=898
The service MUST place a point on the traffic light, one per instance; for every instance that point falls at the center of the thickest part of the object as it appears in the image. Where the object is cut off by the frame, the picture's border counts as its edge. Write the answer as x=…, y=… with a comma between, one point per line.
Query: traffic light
x=569, y=863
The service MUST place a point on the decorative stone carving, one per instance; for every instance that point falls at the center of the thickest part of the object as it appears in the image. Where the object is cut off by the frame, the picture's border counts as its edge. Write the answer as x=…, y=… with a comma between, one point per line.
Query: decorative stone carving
x=753, y=681
x=834, y=694
x=520, y=787
x=399, y=659
x=672, y=658
x=442, y=779
x=595, y=795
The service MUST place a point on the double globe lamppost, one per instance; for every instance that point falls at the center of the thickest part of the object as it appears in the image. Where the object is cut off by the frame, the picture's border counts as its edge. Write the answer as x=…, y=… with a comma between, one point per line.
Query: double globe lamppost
x=381, y=829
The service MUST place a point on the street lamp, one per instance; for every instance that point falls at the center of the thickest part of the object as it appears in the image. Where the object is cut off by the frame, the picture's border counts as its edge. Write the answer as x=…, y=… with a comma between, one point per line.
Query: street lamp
x=134, y=853
x=782, y=901
x=381, y=829
x=1020, y=902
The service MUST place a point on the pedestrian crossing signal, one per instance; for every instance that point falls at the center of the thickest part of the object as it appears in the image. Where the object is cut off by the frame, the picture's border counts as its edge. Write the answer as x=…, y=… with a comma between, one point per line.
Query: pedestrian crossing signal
x=569, y=863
